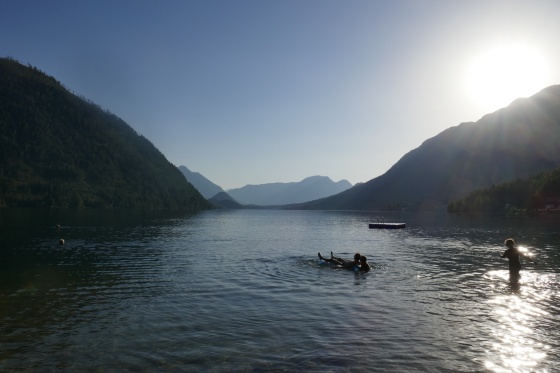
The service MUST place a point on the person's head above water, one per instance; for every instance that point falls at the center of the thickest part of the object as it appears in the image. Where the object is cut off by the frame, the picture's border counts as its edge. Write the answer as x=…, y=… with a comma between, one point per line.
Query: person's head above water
x=509, y=242
x=364, y=265
x=357, y=257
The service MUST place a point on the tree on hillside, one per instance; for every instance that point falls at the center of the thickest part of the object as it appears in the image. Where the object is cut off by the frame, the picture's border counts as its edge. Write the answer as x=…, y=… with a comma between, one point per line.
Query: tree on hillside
x=528, y=194
x=58, y=150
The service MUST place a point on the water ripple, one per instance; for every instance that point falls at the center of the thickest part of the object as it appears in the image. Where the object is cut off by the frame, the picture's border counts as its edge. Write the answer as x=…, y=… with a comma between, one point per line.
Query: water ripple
x=243, y=291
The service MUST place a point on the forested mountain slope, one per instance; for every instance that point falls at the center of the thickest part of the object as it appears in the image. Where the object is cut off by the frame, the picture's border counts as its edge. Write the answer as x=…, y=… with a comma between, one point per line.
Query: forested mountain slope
x=515, y=142
x=58, y=150
x=538, y=192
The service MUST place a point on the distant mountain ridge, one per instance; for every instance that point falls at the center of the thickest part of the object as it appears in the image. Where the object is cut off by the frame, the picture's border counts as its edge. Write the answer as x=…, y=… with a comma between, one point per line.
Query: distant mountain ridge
x=207, y=188
x=224, y=201
x=514, y=142
x=59, y=150
x=287, y=193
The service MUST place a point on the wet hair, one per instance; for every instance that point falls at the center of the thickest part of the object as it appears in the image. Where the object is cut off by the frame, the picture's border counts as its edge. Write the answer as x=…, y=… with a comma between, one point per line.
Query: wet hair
x=357, y=256
x=363, y=259
x=509, y=242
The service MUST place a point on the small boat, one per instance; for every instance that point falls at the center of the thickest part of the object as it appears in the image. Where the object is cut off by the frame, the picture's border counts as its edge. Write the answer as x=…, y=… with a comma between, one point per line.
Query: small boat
x=387, y=225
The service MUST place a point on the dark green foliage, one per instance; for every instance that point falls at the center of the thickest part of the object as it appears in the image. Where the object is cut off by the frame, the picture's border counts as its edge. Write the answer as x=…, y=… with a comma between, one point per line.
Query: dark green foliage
x=58, y=150
x=522, y=194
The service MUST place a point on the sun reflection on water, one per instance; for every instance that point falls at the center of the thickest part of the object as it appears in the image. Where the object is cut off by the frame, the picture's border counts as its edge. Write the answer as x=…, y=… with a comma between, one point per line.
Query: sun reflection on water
x=518, y=314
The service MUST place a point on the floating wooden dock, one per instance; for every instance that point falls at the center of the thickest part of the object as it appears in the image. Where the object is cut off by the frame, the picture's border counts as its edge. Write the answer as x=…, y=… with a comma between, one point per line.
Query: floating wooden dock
x=387, y=225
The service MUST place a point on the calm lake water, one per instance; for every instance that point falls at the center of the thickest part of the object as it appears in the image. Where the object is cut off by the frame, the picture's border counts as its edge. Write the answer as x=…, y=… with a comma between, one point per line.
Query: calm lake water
x=243, y=291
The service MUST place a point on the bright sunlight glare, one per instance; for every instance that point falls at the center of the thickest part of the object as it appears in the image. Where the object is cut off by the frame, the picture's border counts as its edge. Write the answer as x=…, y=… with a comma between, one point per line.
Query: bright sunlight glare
x=503, y=74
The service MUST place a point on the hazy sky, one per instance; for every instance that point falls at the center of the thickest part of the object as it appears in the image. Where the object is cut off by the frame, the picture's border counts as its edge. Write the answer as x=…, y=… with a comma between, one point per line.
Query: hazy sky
x=253, y=92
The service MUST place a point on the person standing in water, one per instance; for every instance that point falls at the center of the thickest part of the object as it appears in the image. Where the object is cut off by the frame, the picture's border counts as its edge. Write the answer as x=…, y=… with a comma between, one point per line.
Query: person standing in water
x=513, y=254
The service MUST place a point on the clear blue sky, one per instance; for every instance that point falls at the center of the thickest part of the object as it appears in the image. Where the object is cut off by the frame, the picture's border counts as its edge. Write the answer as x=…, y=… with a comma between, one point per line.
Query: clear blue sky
x=252, y=92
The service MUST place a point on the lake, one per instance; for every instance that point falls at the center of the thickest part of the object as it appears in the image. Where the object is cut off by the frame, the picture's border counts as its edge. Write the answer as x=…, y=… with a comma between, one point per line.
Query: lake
x=243, y=291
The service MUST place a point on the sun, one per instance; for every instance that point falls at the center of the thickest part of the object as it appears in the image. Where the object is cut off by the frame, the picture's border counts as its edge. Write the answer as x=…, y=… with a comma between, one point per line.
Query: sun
x=503, y=74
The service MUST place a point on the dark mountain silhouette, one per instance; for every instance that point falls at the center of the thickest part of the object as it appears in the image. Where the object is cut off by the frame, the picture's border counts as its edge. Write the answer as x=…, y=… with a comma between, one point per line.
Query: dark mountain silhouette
x=286, y=193
x=514, y=142
x=207, y=188
x=58, y=150
x=224, y=201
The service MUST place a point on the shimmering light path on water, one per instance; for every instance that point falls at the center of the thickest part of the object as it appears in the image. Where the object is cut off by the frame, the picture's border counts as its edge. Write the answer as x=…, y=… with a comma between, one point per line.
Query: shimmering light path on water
x=243, y=291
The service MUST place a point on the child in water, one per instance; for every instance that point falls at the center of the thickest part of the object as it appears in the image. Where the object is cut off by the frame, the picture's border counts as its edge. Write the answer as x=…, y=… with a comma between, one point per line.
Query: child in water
x=348, y=264
x=364, y=265
x=513, y=254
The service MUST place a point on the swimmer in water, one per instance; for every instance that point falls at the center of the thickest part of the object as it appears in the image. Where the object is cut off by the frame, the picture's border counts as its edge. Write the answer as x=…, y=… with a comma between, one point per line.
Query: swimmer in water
x=364, y=265
x=347, y=264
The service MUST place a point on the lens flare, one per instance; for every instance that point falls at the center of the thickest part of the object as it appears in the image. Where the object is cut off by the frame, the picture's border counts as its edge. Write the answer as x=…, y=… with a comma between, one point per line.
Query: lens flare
x=500, y=75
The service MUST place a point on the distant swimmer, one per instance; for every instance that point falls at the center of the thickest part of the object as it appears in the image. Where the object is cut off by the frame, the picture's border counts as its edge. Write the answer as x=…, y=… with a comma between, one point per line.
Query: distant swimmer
x=513, y=254
x=347, y=264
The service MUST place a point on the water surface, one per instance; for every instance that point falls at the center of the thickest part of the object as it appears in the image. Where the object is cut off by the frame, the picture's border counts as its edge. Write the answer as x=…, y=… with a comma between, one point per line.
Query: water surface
x=243, y=291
